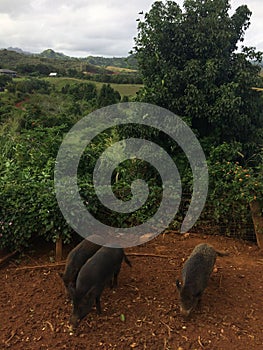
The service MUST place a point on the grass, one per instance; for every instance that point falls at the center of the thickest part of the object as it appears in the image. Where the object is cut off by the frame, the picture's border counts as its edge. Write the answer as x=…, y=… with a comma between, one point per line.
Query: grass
x=60, y=82
x=124, y=89
x=119, y=69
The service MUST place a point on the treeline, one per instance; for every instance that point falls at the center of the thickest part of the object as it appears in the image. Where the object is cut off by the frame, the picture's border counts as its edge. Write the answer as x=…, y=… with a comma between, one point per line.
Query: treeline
x=122, y=62
x=130, y=78
x=88, y=92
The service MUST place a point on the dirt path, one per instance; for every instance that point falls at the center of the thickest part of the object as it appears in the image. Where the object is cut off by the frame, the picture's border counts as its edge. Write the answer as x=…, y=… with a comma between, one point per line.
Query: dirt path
x=143, y=312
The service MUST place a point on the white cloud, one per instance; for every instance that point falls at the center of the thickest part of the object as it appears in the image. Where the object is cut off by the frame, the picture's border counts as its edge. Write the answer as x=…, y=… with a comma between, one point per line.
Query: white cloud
x=83, y=27
x=254, y=34
x=15, y=8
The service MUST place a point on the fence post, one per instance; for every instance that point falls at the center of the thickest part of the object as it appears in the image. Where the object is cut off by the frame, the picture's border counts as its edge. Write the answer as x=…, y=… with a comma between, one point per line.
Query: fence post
x=257, y=217
x=59, y=248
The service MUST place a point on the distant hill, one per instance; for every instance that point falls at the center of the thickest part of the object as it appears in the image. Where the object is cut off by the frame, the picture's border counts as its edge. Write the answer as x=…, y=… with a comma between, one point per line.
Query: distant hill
x=18, y=50
x=120, y=62
x=27, y=64
x=108, y=70
x=49, y=53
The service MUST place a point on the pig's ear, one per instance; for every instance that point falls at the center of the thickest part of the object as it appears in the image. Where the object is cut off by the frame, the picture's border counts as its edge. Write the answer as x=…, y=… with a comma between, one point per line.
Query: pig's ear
x=178, y=285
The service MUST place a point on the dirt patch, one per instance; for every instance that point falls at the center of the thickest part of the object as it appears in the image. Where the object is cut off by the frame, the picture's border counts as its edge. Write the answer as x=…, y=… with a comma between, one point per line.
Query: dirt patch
x=21, y=103
x=143, y=312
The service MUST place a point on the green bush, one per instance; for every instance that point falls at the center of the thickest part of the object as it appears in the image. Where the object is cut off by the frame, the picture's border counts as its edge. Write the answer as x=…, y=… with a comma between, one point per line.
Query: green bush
x=33, y=85
x=28, y=205
x=81, y=91
x=232, y=186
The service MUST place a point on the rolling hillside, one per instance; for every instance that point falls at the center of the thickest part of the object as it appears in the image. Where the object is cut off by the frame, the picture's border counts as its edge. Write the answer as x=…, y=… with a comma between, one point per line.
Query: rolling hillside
x=12, y=57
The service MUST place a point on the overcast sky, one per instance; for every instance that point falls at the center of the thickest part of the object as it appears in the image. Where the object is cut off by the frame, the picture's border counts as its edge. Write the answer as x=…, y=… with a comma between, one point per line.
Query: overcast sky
x=86, y=27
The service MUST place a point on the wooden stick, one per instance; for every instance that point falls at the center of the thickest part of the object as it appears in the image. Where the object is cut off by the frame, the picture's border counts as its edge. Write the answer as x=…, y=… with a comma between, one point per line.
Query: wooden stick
x=50, y=325
x=199, y=342
x=59, y=248
x=7, y=257
x=168, y=328
x=257, y=218
x=62, y=263
x=149, y=254
x=13, y=333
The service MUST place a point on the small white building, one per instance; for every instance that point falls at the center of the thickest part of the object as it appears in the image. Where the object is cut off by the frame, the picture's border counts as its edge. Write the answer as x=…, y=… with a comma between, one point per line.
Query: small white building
x=54, y=74
x=9, y=72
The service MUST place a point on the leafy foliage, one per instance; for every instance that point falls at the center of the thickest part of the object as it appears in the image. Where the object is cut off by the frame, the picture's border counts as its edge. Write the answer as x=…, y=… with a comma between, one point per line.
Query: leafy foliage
x=123, y=62
x=232, y=187
x=33, y=85
x=31, y=132
x=197, y=73
x=28, y=202
x=107, y=96
x=200, y=75
x=84, y=91
x=4, y=80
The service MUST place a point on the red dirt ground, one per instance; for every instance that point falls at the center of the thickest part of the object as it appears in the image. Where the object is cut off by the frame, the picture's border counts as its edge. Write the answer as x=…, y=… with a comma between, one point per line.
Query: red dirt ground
x=143, y=312
x=20, y=104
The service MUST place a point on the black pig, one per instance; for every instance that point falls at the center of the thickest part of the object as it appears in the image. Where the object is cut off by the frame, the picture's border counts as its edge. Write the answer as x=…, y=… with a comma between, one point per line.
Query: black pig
x=99, y=270
x=195, y=274
x=75, y=260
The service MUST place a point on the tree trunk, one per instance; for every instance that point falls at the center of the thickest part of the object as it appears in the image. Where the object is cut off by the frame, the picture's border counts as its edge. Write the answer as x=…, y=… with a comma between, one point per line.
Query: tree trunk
x=59, y=249
x=257, y=218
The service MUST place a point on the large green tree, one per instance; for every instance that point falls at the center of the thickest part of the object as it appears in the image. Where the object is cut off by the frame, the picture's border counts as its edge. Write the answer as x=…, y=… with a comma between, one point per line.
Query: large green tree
x=191, y=63
x=107, y=96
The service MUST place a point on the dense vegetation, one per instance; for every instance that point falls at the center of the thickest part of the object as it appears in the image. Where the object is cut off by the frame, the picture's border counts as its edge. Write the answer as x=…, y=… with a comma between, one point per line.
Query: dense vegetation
x=35, y=114
x=195, y=73
x=200, y=75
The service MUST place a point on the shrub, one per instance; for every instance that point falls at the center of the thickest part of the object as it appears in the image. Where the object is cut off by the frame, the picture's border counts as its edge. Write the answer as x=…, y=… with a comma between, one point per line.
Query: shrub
x=28, y=205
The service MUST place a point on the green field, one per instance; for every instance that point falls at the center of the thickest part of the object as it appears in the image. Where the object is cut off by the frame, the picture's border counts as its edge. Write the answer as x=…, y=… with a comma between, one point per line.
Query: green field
x=124, y=89
x=122, y=70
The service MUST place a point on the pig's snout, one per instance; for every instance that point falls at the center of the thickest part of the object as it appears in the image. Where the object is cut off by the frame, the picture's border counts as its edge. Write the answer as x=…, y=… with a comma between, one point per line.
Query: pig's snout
x=74, y=321
x=185, y=312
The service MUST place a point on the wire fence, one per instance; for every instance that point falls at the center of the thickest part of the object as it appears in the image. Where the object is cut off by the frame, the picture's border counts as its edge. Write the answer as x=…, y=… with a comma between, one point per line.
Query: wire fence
x=236, y=223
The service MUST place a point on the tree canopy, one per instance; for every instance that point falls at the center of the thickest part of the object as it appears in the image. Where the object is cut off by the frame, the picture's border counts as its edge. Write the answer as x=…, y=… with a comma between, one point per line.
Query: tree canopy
x=192, y=64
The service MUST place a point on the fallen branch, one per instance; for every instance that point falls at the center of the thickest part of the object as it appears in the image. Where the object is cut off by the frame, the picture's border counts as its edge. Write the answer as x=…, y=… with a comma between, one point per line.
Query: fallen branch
x=62, y=263
x=8, y=257
x=149, y=254
x=164, y=344
x=199, y=342
x=50, y=325
x=13, y=333
x=169, y=329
